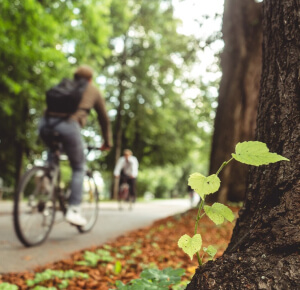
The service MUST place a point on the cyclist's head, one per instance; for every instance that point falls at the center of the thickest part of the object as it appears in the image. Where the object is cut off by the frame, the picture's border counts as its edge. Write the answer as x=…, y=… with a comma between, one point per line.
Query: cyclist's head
x=83, y=71
x=127, y=153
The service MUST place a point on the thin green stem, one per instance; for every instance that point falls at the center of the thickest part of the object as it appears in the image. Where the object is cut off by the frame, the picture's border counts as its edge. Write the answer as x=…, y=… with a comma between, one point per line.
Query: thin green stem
x=198, y=215
x=201, y=206
x=196, y=227
x=202, y=216
x=199, y=259
x=223, y=165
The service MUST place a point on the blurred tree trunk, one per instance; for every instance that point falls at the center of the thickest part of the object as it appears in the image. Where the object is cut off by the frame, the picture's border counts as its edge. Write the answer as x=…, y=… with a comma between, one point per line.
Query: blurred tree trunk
x=20, y=144
x=19, y=150
x=119, y=122
x=264, y=249
x=118, y=140
x=238, y=95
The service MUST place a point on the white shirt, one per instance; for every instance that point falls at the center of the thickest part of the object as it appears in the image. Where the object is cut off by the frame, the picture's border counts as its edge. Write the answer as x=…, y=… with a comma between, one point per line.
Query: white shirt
x=130, y=167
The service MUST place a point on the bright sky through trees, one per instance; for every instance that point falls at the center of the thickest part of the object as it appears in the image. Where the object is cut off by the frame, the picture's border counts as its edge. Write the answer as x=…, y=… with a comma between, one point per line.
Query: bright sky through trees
x=193, y=12
x=202, y=19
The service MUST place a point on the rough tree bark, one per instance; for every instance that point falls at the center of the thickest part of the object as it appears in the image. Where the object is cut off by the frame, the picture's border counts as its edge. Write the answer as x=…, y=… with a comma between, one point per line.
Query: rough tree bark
x=238, y=95
x=264, y=249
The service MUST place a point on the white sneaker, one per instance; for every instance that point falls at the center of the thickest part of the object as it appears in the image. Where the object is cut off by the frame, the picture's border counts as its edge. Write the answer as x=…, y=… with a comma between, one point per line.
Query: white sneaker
x=74, y=217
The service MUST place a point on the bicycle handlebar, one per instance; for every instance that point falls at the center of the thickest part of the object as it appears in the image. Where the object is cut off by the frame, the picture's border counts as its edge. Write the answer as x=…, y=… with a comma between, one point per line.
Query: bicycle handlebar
x=90, y=148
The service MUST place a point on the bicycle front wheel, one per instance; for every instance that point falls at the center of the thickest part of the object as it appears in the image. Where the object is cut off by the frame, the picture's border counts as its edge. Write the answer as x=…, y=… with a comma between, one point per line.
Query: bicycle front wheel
x=34, y=207
x=89, y=205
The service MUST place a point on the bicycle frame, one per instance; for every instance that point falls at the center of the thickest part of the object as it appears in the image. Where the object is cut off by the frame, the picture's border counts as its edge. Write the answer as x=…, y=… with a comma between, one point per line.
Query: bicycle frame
x=35, y=201
x=54, y=175
x=54, y=171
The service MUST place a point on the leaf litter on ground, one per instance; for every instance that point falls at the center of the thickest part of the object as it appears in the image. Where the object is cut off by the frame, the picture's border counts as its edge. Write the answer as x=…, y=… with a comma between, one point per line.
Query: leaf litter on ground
x=125, y=258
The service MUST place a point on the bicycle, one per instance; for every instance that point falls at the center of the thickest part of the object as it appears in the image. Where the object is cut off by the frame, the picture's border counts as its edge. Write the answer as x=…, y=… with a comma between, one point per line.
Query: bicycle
x=124, y=195
x=40, y=194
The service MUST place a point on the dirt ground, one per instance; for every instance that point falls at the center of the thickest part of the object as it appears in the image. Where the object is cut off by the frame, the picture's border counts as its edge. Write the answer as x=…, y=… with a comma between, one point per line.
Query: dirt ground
x=153, y=246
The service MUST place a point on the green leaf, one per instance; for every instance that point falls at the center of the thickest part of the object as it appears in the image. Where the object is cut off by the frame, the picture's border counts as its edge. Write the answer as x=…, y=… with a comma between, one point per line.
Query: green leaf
x=64, y=284
x=167, y=276
x=204, y=185
x=190, y=245
x=210, y=250
x=255, y=153
x=153, y=279
x=91, y=258
x=8, y=286
x=43, y=288
x=120, y=285
x=118, y=267
x=120, y=256
x=29, y=283
x=218, y=212
x=82, y=263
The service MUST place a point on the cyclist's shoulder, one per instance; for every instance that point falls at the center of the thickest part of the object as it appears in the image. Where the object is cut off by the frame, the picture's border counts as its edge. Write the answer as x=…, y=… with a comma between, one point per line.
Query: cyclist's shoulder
x=121, y=159
x=92, y=96
x=133, y=157
x=92, y=91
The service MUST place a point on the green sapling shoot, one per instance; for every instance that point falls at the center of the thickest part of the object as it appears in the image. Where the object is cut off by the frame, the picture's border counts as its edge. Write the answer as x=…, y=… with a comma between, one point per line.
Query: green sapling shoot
x=252, y=153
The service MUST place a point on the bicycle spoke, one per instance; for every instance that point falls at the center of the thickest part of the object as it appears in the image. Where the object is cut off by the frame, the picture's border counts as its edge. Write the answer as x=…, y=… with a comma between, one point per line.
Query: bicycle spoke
x=34, y=208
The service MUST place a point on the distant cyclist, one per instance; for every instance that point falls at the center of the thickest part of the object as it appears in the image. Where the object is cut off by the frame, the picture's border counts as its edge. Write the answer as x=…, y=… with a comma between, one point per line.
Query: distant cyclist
x=68, y=127
x=127, y=170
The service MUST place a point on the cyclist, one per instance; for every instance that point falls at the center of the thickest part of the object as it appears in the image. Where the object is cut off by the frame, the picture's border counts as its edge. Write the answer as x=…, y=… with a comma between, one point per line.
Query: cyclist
x=68, y=128
x=127, y=169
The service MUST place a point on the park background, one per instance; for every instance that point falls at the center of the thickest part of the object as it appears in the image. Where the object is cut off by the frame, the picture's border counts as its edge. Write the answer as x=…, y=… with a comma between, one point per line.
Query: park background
x=157, y=64
x=175, y=118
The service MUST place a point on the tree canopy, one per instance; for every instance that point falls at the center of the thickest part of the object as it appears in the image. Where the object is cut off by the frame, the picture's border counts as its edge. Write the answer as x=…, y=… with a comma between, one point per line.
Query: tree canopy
x=141, y=63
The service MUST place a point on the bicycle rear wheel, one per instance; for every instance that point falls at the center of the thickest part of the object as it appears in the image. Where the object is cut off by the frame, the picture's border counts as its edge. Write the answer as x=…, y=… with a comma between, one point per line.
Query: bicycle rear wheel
x=89, y=205
x=123, y=194
x=34, y=207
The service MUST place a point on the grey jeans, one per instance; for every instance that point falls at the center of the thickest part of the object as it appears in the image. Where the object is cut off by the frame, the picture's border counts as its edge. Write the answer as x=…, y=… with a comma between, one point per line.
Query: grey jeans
x=72, y=142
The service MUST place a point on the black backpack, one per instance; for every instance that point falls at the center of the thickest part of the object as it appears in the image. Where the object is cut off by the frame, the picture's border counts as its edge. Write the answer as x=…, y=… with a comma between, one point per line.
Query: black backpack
x=66, y=96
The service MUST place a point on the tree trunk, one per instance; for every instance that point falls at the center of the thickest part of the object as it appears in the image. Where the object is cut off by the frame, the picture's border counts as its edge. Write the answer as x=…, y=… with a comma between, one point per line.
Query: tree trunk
x=19, y=150
x=238, y=95
x=19, y=144
x=264, y=249
x=119, y=120
x=118, y=140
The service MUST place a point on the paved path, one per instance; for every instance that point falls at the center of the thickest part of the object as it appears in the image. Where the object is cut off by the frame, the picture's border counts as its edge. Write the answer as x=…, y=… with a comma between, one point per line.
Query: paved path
x=65, y=239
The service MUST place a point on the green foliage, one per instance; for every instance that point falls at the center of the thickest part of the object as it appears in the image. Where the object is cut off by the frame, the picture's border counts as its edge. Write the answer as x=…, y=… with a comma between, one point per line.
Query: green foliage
x=204, y=185
x=140, y=59
x=211, y=251
x=63, y=284
x=73, y=32
x=51, y=274
x=252, y=153
x=8, y=286
x=181, y=286
x=160, y=181
x=91, y=259
x=43, y=288
x=190, y=245
x=117, y=267
x=218, y=213
x=28, y=60
x=152, y=279
x=168, y=180
x=147, y=65
x=255, y=153
x=66, y=173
